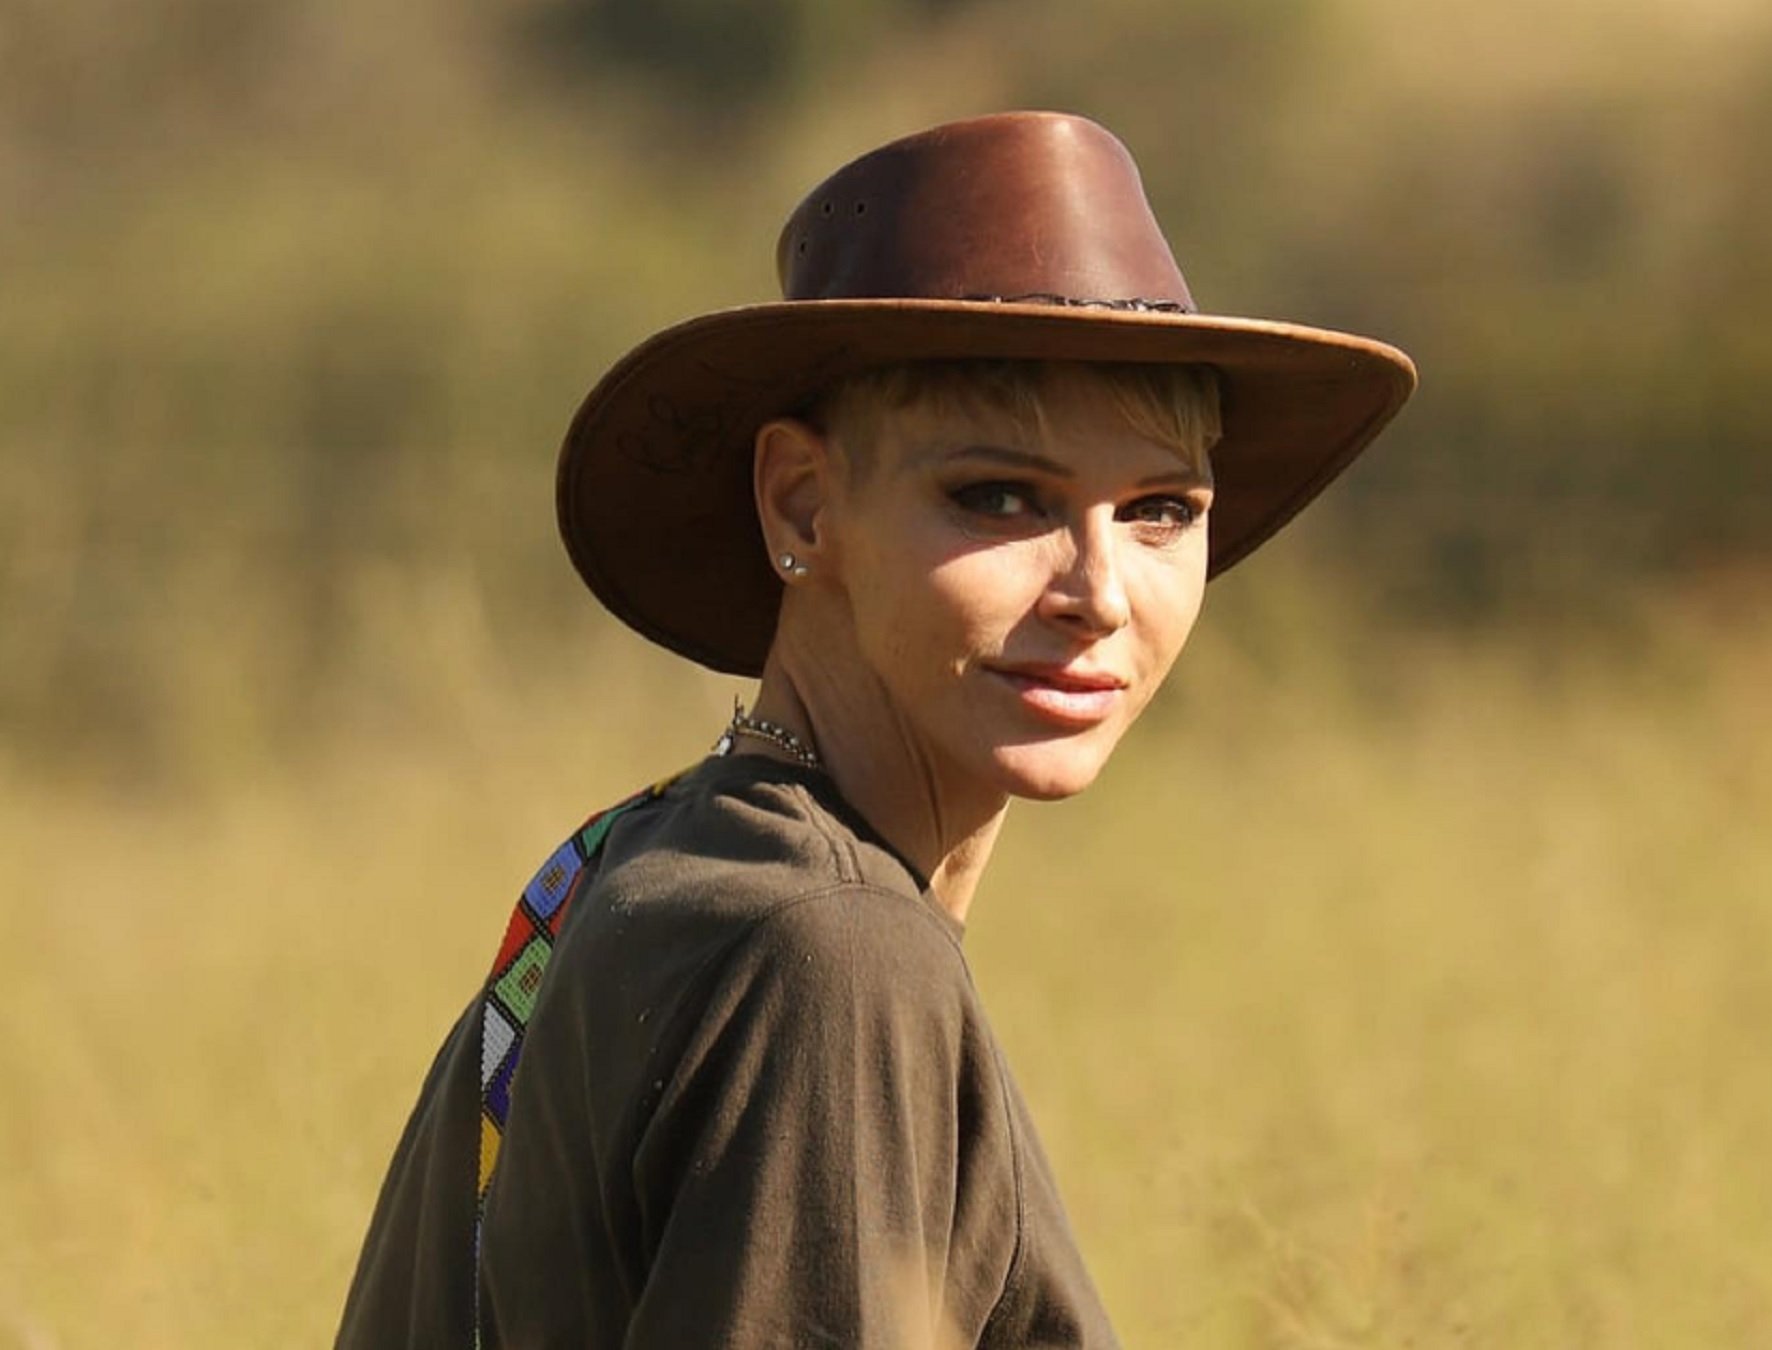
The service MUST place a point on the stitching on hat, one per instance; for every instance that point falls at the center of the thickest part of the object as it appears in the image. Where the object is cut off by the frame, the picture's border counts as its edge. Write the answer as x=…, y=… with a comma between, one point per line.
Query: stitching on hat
x=1132, y=304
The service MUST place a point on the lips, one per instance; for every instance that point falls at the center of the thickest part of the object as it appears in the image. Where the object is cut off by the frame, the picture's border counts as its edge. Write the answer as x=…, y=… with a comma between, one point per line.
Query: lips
x=1063, y=694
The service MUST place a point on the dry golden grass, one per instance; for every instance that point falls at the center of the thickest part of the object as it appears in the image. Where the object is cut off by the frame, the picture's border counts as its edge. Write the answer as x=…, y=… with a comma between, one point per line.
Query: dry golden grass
x=1415, y=1002
x=1383, y=995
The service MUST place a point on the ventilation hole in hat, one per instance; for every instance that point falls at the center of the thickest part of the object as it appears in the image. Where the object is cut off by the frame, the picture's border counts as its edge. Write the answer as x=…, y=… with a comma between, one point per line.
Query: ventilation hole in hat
x=801, y=249
x=825, y=209
x=861, y=208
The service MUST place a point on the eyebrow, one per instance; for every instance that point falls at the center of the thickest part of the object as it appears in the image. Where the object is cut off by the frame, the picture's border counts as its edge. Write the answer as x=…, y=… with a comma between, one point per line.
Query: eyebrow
x=1012, y=458
x=1009, y=457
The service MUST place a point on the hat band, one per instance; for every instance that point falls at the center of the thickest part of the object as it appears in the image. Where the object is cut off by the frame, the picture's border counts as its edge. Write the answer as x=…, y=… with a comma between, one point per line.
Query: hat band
x=1131, y=305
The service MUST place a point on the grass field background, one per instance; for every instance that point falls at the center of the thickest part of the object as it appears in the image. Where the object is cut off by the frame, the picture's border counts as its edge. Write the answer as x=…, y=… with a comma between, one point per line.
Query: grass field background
x=1419, y=1001
x=1407, y=979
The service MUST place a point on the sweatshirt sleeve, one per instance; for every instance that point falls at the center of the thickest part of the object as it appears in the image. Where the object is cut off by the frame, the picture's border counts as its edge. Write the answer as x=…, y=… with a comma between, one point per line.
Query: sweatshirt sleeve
x=830, y=1162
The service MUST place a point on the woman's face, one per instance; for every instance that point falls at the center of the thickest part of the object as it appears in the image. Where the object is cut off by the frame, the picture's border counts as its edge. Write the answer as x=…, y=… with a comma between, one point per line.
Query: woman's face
x=1017, y=596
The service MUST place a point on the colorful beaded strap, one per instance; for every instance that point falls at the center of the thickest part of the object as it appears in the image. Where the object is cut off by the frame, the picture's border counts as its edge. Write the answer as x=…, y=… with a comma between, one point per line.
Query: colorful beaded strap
x=515, y=982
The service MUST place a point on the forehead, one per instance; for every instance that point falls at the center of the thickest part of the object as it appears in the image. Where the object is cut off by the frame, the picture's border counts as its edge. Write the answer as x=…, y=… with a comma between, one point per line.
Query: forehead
x=1031, y=402
x=1079, y=432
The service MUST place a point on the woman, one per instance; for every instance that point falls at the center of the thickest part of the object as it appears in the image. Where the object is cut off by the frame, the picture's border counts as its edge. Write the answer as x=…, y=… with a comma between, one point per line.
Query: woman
x=950, y=499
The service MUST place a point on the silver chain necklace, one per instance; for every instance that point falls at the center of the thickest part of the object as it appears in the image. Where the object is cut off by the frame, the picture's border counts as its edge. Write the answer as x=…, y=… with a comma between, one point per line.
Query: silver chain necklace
x=761, y=729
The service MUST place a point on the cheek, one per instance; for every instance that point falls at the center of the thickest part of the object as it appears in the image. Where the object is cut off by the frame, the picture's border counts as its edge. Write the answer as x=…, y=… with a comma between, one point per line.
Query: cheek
x=907, y=622
x=1168, y=605
x=924, y=625
x=986, y=592
x=929, y=585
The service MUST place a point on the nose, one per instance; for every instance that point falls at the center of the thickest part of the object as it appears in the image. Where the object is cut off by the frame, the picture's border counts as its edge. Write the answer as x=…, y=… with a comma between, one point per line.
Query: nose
x=1086, y=593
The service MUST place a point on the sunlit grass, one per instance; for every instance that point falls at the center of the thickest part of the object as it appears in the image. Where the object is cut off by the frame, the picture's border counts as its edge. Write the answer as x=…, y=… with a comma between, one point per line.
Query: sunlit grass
x=1386, y=993
x=1357, y=1011
x=1433, y=1024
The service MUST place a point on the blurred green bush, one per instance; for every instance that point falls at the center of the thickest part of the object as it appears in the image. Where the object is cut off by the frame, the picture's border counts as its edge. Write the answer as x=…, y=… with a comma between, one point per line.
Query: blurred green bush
x=297, y=300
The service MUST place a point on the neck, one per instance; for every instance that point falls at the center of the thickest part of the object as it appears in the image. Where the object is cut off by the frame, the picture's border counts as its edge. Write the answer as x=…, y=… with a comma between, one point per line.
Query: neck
x=945, y=826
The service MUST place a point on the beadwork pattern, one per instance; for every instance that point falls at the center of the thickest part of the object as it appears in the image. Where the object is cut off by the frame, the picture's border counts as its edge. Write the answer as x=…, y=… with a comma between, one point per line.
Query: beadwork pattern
x=515, y=983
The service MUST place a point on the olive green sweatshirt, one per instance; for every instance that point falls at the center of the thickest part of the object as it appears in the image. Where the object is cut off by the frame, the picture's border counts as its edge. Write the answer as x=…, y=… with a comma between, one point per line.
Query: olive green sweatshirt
x=758, y=1105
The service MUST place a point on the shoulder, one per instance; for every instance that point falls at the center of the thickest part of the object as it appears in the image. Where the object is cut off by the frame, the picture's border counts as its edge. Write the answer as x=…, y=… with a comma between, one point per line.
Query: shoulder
x=852, y=943
x=841, y=1014
x=767, y=829
x=745, y=850
x=749, y=880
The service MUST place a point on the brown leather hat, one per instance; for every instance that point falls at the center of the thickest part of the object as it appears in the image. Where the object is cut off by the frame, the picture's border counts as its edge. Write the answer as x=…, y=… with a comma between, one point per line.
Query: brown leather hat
x=1023, y=236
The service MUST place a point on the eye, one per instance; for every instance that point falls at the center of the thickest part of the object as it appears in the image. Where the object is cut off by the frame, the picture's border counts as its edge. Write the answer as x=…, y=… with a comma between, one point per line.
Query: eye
x=1163, y=512
x=995, y=500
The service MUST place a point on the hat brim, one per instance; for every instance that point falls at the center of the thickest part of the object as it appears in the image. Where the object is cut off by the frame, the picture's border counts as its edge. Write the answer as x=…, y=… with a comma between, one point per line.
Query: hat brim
x=654, y=487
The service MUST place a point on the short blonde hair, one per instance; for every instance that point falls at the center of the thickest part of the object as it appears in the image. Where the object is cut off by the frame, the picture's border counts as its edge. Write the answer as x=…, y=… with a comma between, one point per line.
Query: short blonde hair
x=1173, y=405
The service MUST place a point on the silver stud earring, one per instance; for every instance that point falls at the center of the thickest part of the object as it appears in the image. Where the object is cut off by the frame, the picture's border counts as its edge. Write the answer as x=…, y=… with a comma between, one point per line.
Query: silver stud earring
x=793, y=566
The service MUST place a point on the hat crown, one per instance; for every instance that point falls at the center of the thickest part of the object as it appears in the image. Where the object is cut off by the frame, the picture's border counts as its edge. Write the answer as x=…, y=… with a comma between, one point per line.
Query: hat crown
x=1036, y=206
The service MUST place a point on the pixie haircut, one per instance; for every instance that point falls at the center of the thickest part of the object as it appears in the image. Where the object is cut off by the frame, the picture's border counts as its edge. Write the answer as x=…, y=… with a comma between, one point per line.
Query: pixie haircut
x=1173, y=405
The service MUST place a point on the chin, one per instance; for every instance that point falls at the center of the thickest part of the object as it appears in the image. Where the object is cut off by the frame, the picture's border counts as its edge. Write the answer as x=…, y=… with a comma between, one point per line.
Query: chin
x=1049, y=771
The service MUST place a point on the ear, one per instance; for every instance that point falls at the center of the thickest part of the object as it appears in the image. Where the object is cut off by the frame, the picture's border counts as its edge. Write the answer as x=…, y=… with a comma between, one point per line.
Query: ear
x=791, y=480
